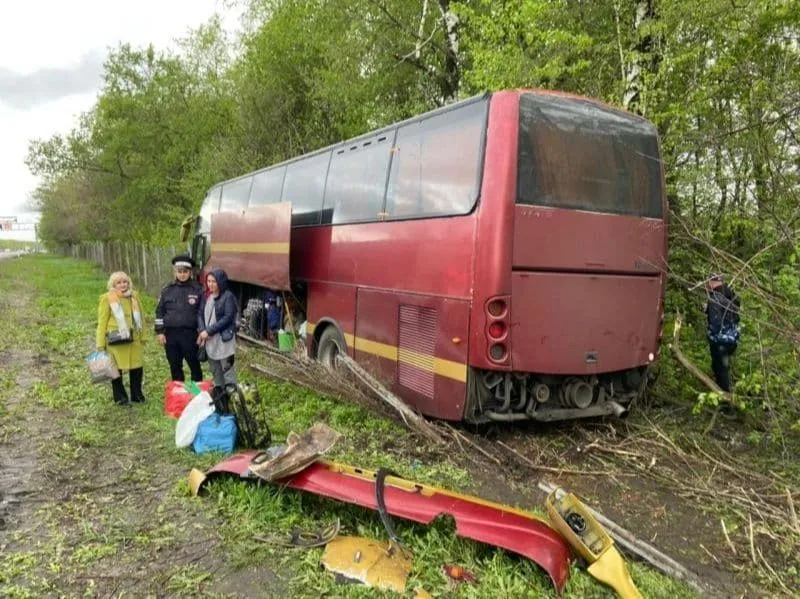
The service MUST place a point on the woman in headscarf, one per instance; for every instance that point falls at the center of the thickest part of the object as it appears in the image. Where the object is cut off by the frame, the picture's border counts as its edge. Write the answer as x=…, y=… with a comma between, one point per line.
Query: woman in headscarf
x=120, y=329
x=216, y=323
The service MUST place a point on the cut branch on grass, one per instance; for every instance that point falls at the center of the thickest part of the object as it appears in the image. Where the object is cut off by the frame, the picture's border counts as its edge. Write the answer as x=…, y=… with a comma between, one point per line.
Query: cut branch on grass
x=556, y=470
x=413, y=420
x=727, y=537
x=792, y=512
x=460, y=437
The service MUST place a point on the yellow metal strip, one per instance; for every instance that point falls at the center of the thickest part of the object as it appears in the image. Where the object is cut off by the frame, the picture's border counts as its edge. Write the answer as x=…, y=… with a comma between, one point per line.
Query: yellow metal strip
x=450, y=369
x=251, y=248
x=425, y=490
x=447, y=368
x=376, y=349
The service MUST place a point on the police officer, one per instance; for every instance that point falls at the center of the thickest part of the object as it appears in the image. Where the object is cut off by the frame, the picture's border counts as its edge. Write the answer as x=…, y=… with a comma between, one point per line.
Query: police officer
x=176, y=319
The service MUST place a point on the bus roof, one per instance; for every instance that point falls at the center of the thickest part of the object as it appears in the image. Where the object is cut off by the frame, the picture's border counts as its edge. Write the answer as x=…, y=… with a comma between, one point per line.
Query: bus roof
x=425, y=115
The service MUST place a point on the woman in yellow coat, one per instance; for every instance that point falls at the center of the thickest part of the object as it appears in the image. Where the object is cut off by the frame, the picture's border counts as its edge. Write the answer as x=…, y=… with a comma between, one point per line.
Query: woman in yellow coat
x=119, y=317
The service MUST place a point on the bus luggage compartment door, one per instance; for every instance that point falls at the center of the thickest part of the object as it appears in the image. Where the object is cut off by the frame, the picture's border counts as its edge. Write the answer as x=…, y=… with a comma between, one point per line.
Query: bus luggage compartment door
x=252, y=246
x=572, y=323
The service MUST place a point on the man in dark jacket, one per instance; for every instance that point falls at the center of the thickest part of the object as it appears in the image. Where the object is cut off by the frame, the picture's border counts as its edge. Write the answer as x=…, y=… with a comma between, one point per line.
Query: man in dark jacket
x=176, y=319
x=722, y=310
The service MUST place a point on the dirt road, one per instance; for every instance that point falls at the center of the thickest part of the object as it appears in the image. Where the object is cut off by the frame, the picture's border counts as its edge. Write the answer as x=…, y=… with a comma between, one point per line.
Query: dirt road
x=91, y=504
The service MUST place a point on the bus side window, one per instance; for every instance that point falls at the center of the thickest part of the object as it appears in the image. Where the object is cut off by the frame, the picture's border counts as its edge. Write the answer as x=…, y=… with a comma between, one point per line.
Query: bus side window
x=235, y=194
x=402, y=196
x=436, y=166
x=450, y=160
x=356, y=181
x=210, y=206
x=304, y=188
x=267, y=186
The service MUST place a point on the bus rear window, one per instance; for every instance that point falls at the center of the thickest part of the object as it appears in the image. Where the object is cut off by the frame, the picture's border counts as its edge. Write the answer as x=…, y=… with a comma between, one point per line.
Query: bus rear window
x=577, y=154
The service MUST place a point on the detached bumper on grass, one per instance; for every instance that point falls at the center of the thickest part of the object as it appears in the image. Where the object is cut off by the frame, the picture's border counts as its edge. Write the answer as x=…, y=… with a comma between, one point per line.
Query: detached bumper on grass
x=495, y=524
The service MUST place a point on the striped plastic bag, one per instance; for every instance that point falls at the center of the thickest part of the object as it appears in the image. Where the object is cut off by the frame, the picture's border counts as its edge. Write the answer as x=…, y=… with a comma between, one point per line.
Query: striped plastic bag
x=102, y=367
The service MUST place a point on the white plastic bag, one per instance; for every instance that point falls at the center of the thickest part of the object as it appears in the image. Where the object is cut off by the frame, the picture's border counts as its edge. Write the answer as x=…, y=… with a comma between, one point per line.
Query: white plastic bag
x=197, y=410
x=102, y=367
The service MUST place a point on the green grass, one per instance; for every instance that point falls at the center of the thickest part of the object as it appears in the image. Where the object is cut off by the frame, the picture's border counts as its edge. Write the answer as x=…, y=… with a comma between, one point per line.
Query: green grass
x=61, y=327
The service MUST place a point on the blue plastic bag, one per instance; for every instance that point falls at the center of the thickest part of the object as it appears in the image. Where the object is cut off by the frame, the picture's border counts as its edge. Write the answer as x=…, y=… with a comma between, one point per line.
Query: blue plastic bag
x=216, y=433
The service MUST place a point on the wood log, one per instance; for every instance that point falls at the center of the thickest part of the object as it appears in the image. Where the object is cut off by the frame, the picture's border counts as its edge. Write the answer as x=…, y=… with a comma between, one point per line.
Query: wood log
x=413, y=420
x=674, y=346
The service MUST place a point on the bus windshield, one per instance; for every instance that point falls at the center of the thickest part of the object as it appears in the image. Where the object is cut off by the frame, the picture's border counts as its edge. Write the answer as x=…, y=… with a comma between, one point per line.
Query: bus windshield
x=580, y=155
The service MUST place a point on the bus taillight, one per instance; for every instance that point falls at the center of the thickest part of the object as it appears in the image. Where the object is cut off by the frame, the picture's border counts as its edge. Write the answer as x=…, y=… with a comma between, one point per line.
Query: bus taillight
x=497, y=314
x=497, y=329
x=496, y=308
x=497, y=352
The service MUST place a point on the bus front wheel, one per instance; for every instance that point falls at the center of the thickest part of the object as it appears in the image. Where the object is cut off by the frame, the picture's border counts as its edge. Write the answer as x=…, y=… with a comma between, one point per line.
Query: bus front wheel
x=330, y=346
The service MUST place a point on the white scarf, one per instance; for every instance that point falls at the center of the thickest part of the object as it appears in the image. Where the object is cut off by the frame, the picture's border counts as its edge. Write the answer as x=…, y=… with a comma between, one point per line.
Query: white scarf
x=119, y=313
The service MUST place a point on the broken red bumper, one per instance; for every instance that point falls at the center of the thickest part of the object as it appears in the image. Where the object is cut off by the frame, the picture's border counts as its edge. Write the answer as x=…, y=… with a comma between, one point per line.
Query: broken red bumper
x=492, y=523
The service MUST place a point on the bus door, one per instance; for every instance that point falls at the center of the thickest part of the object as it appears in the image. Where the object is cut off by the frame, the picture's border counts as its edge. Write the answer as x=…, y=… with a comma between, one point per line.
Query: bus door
x=252, y=246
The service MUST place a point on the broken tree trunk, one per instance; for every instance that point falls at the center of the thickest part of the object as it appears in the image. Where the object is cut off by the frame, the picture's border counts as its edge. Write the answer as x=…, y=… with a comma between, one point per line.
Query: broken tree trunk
x=688, y=365
x=695, y=370
x=410, y=417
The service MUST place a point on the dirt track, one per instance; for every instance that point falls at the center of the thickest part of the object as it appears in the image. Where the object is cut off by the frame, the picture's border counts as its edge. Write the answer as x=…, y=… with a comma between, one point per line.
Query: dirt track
x=95, y=509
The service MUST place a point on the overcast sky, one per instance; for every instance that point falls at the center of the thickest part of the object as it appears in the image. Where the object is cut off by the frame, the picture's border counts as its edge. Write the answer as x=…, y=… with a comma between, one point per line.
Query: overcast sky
x=51, y=56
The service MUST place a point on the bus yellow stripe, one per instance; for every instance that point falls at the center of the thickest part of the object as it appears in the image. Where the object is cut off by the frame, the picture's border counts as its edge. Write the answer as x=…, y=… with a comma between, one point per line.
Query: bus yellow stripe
x=450, y=369
x=376, y=349
x=429, y=363
x=251, y=248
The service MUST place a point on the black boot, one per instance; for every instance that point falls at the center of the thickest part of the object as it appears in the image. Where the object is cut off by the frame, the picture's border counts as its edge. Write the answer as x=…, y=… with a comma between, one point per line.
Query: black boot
x=136, y=385
x=120, y=395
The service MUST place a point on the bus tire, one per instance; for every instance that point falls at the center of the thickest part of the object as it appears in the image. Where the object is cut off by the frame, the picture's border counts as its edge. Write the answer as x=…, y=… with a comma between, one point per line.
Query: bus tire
x=329, y=347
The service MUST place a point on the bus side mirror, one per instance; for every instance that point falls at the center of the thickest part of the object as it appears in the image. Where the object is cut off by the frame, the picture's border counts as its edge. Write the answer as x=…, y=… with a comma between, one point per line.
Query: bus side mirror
x=186, y=226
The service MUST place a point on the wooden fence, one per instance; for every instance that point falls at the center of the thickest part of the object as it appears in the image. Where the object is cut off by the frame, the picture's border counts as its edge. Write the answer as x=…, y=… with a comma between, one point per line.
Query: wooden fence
x=149, y=268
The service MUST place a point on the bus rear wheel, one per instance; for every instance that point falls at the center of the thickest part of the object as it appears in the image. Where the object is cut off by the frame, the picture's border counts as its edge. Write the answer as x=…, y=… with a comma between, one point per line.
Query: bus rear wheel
x=330, y=346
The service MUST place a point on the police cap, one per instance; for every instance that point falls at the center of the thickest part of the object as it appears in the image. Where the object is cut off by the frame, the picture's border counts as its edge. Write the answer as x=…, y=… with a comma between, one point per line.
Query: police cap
x=183, y=262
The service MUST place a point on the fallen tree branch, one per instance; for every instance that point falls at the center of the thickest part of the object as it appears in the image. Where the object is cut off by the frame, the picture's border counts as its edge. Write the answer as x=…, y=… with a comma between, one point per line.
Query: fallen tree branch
x=695, y=370
x=634, y=546
x=460, y=437
x=413, y=420
x=792, y=512
x=727, y=537
x=294, y=381
x=559, y=471
x=293, y=358
x=706, y=380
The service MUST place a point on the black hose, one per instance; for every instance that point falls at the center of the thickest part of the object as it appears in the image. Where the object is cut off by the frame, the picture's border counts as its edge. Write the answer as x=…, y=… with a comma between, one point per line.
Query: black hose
x=388, y=523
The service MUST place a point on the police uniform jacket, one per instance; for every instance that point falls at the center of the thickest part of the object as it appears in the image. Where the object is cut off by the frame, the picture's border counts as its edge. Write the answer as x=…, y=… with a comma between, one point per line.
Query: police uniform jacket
x=178, y=305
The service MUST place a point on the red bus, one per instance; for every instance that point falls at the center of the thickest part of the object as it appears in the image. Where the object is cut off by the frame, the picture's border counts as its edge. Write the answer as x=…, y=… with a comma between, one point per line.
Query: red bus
x=501, y=258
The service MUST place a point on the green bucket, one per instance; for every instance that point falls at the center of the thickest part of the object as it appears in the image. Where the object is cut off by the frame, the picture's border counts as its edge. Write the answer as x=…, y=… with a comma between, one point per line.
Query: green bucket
x=285, y=341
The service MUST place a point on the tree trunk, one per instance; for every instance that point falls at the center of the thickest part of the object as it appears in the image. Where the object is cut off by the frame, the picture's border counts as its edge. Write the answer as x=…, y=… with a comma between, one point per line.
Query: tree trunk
x=645, y=58
x=451, y=74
